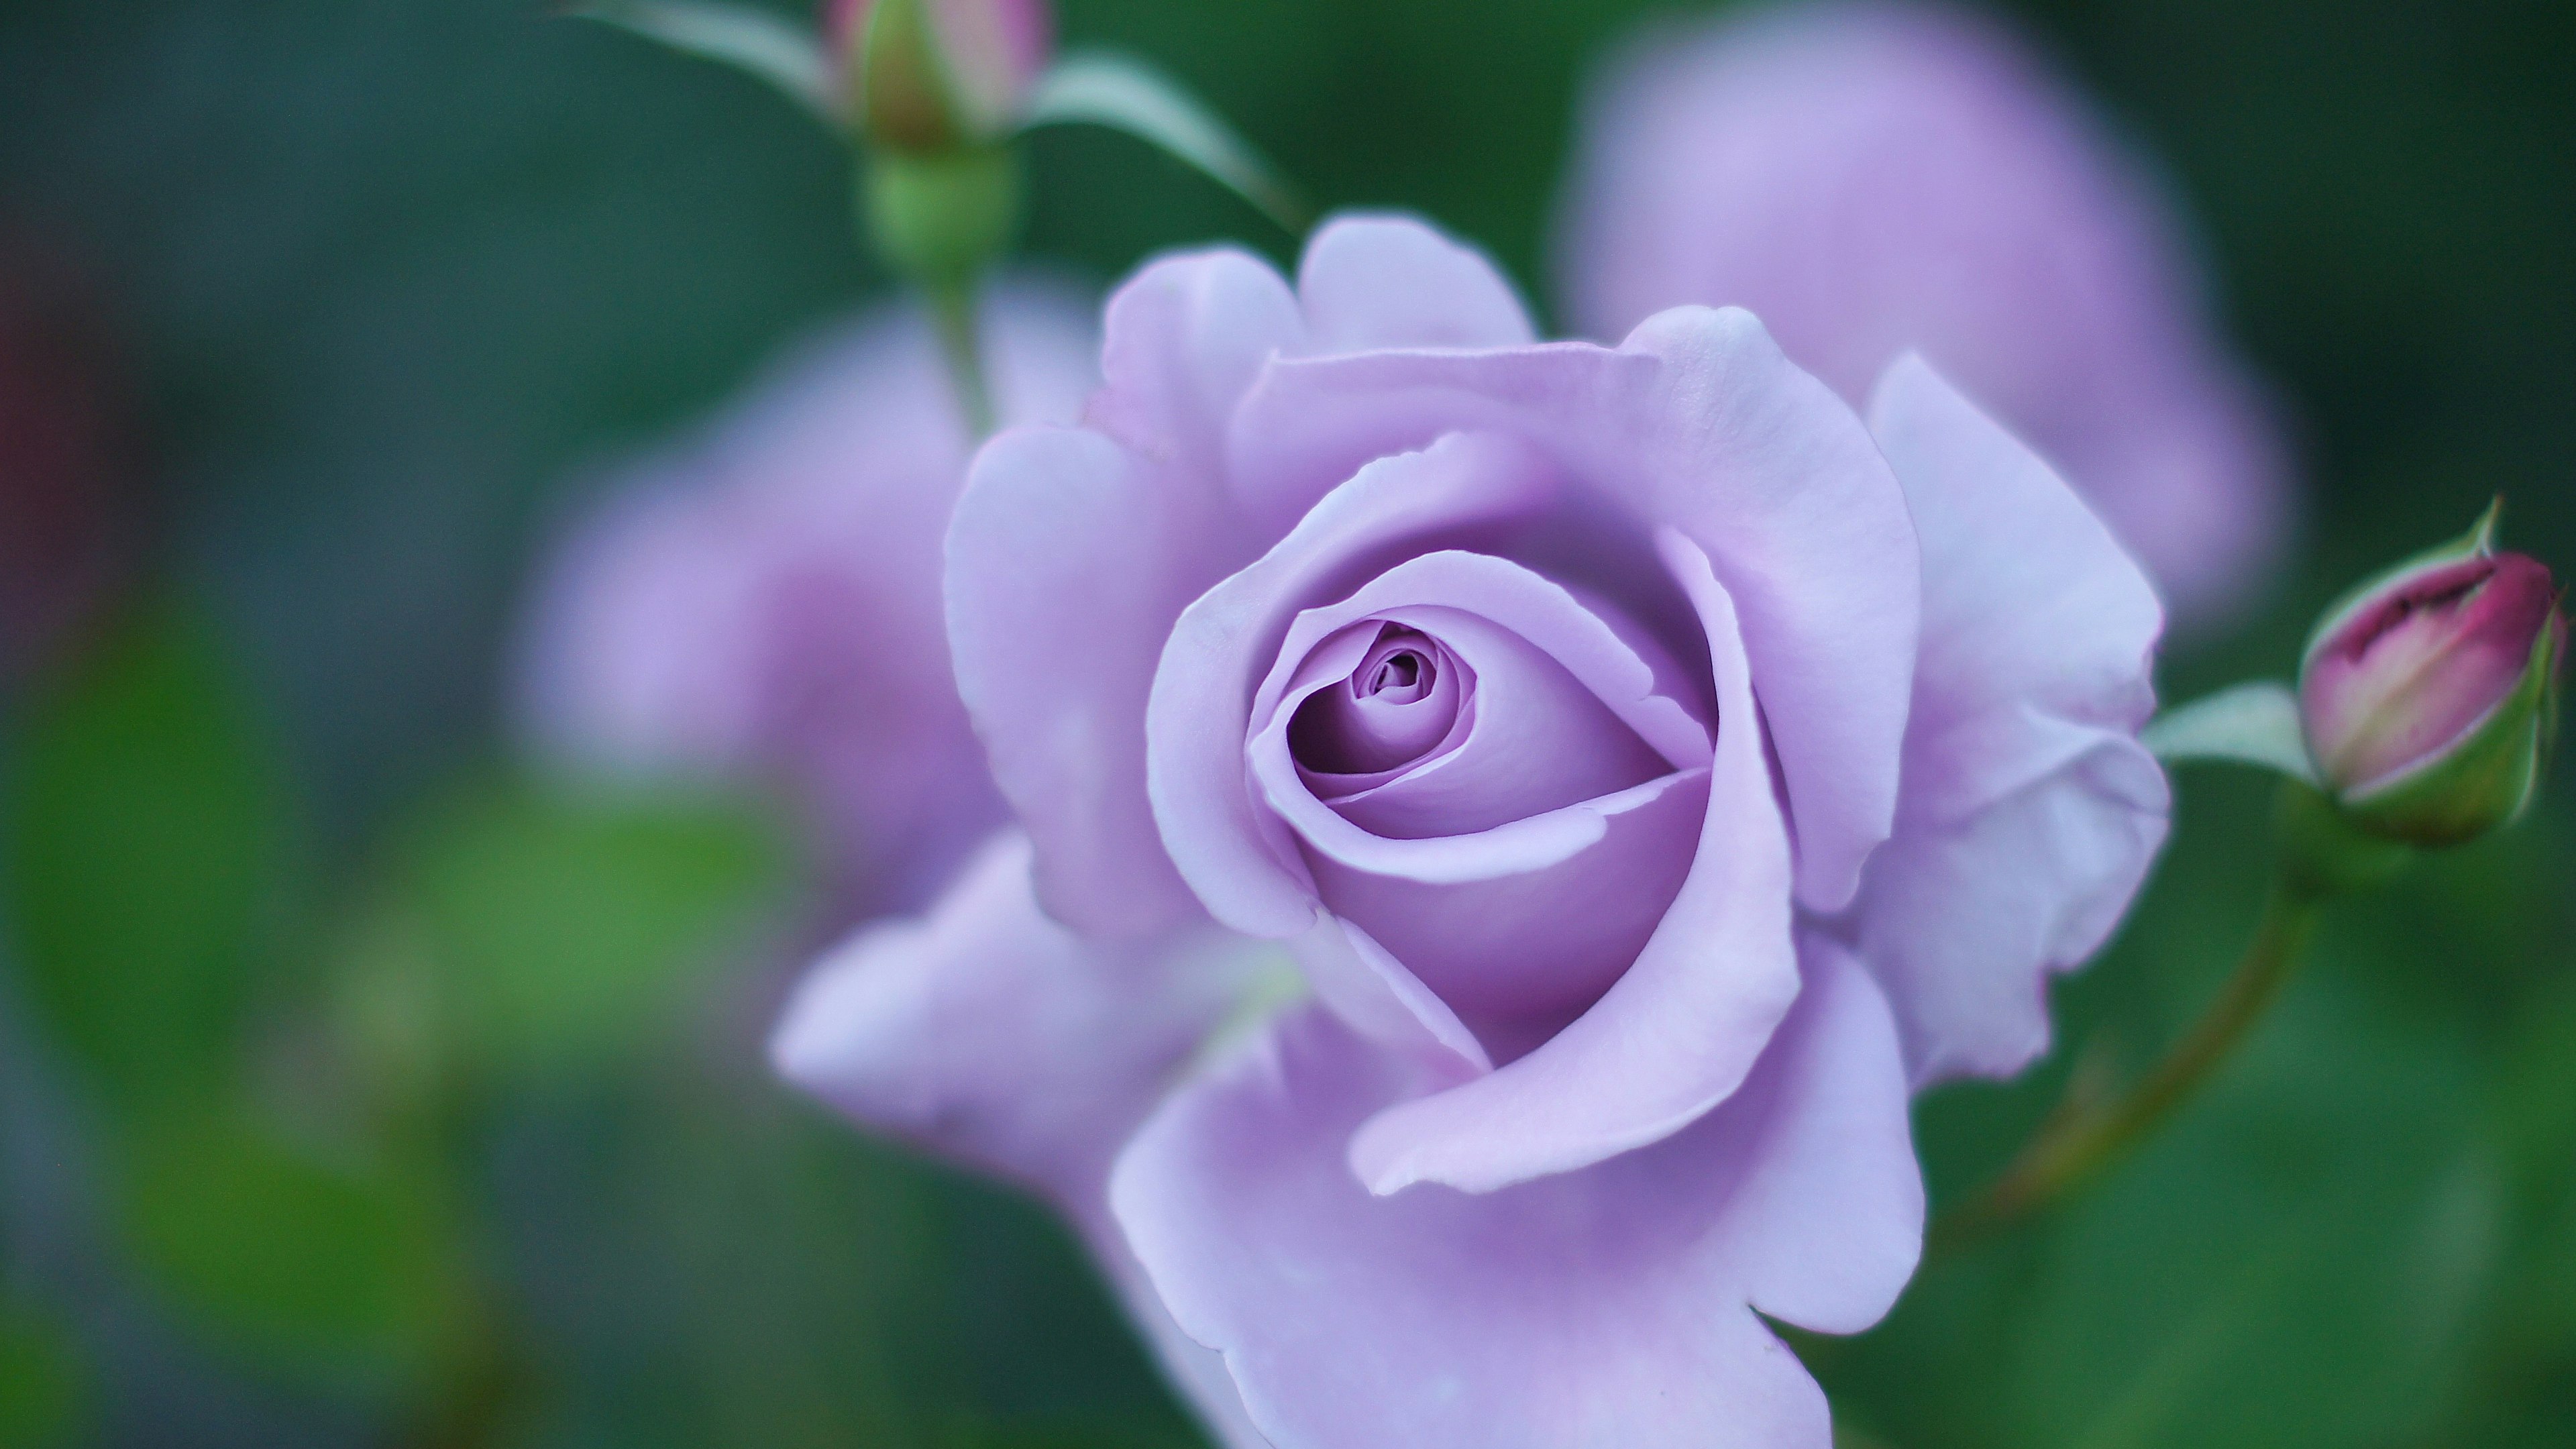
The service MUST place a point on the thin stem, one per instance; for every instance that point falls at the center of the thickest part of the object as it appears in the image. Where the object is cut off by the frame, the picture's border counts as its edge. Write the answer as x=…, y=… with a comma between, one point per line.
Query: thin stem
x=953, y=313
x=2076, y=1144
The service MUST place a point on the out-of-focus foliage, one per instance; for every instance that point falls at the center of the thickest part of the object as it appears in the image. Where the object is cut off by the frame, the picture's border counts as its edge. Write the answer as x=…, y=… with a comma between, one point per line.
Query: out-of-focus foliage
x=41, y=1380
x=560, y=927
x=277, y=1247
x=144, y=837
x=370, y=1074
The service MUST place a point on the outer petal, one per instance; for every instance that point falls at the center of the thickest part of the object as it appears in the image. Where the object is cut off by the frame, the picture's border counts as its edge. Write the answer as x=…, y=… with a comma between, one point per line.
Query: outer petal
x=1677, y=1033
x=1696, y=422
x=1372, y=282
x=990, y=1035
x=1600, y=1308
x=1876, y=177
x=764, y=598
x=1181, y=341
x=1064, y=572
x=2031, y=813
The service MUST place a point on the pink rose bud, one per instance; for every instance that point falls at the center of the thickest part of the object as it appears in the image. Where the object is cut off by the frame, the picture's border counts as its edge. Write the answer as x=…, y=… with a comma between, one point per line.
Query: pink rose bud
x=933, y=75
x=2429, y=694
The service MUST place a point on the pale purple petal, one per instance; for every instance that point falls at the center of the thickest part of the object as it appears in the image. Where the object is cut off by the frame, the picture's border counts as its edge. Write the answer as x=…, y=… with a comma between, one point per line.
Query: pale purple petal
x=2031, y=814
x=1607, y=1306
x=1071, y=554
x=1677, y=1033
x=1872, y=178
x=1181, y=340
x=1063, y=573
x=1522, y=928
x=1368, y=283
x=991, y=1035
x=764, y=599
x=1698, y=422
x=1199, y=716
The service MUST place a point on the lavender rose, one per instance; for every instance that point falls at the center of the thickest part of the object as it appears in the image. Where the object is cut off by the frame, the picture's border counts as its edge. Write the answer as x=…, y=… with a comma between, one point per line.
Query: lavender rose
x=763, y=598
x=1650, y=770
x=1873, y=178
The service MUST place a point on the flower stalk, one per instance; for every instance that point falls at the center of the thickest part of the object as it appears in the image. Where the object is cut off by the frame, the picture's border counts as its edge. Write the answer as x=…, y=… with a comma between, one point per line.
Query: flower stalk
x=2077, y=1144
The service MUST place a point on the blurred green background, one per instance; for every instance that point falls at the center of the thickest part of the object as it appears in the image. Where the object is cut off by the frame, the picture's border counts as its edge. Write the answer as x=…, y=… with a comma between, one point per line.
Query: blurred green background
x=355, y=1089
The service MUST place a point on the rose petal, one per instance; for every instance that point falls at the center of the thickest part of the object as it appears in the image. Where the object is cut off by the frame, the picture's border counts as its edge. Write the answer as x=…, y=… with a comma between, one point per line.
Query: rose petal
x=990, y=1034
x=1600, y=1307
x=1872, y=177
x=1379, y=997
x=1372, y=282
x=1064, y=567
x=1180, y=343
x=1524, y=934
x=1681, y=1028
x=2031, y=813
x=1202, y=693
x=1625, y=668
x=1697, y=422
x=763, y=598
x=1071, y=554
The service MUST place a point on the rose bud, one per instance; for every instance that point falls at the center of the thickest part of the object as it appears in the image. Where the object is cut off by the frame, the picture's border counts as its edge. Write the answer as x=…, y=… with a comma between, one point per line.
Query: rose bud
x=928, y=76
x=2429, y=695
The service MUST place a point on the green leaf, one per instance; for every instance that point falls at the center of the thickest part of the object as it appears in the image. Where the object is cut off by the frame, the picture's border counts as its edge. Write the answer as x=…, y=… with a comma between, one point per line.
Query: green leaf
x=2251, y=724
x=144, y=852
x=43, y=1384
x=281, y=1254
x=565, y=924
x=755, y=42
x=1103, y=88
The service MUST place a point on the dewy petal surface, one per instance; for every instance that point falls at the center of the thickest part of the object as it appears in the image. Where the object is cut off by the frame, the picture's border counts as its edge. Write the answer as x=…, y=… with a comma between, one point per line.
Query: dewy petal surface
x=1699, y=423
x=1605, y=1307
x=1872, y=178
x=2031, y=813
x=1678, y=1031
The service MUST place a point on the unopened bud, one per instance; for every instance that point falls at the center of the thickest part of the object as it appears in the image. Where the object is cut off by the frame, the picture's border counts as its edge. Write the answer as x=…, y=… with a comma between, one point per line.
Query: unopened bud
x=931, y=76
x=2429, y=695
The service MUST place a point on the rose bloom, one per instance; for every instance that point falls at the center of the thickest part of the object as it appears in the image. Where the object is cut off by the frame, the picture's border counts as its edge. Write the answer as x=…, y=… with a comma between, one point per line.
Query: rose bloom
x=1501, y=828
x=761, y=599
x=1875, y=178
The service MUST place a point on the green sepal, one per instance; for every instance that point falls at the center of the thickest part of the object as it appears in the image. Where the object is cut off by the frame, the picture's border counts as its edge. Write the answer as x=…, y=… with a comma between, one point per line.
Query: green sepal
x=2323, y=853
x=2250, y=724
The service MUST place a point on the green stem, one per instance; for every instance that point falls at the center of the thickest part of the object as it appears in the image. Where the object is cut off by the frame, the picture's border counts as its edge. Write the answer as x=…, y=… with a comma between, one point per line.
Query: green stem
x=2077, y=1144
x=953, y=313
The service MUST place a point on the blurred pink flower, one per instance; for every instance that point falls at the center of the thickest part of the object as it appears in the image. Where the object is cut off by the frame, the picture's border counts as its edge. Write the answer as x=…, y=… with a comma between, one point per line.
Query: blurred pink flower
x=762, y=598
x=1640, y=769
x=1872, y=177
